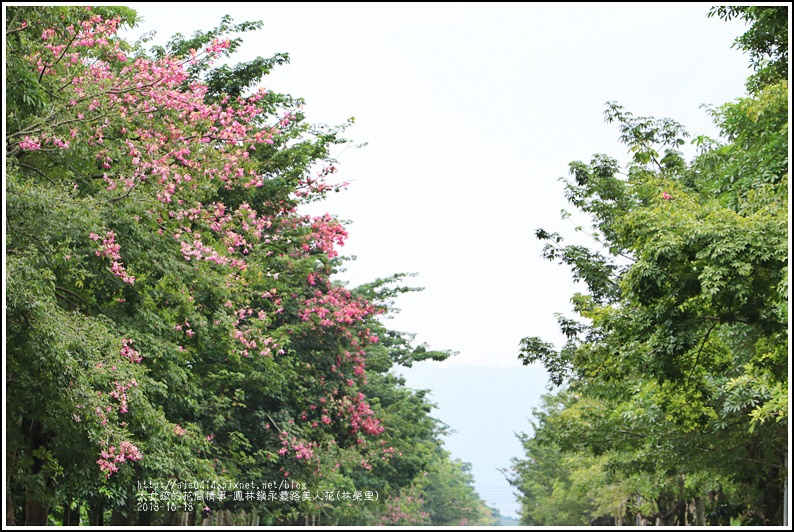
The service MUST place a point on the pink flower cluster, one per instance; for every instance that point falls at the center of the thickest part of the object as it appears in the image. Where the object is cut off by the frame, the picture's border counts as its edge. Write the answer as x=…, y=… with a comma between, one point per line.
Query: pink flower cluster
x=317, y=185
x=167, y=123
x=327, y=232
x=200, y=251
x=404, y=510
x=361, y=415
x=128, y=352
x=216, y=46
x=110, y=457
x=112, y=250
x=337, y=307
x=30, y=143
x=248, y=336
x=35, y=143
x=303, y=450
x=120, y=393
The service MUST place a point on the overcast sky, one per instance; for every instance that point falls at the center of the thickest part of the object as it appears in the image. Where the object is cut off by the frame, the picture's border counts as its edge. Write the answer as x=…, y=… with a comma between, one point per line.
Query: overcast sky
x=471, y=112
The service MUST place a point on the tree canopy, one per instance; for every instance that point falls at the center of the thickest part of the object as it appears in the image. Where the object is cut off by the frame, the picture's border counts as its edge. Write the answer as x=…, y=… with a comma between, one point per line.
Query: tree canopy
x=177, y=349
x=673, y=407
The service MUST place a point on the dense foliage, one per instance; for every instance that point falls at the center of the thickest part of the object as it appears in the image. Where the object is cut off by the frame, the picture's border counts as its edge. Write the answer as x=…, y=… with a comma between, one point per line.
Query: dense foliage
x=674, y=400
x=171, y=313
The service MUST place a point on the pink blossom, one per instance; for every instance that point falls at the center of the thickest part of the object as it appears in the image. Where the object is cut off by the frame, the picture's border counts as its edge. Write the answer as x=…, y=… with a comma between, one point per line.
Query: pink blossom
x=30, y=143
x=112, y=250
x=62, y=144
x=112, y=456
x=128, y=352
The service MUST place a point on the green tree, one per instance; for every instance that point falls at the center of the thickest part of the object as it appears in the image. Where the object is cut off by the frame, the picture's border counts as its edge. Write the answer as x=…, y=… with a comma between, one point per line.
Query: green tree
x=450, y=497
x=171, y=315
x=681, y=341
x=766, y=40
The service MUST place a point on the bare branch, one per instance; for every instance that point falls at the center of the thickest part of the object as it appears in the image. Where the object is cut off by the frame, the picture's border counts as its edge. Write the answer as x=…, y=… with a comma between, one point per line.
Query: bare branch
x=42, y=174
x=73, y=294
x=697, y=357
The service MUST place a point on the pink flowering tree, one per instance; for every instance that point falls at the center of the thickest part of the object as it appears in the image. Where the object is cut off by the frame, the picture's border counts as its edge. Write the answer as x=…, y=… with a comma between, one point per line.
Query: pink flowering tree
x=171, y=311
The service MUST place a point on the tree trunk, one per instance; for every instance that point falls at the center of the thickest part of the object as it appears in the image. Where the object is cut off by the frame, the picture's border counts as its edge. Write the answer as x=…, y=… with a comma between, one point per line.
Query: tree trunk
x=36, y=512
x=119, y=518
x=172, y=518
x=700, y=512
x=773, y=503
x=144, y=518
x=10, y=521
x=71, y=517
x=10, y=465
x=668, y=511
x=96, y=517
x=785, y=490
x=37, y=507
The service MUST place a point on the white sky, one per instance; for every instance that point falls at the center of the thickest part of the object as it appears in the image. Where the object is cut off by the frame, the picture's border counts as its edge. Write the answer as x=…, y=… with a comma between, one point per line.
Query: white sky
x=472, y=112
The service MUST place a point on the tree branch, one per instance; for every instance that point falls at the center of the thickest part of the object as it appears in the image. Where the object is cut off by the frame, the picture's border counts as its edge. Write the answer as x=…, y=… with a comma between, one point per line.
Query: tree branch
x=126, y=194
x=73, y=294
x=274, y=423
x=697, y=357
x=42, y=174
